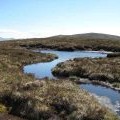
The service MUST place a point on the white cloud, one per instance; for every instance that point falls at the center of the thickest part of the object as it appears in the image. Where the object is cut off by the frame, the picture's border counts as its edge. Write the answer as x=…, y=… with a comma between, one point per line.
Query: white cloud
x=10, y=33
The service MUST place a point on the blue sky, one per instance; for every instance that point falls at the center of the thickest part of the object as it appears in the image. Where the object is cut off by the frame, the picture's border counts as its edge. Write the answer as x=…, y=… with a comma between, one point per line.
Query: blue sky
x=42, y=18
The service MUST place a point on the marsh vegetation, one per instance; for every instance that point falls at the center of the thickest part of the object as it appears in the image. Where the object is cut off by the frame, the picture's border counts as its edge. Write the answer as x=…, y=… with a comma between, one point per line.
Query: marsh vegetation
x=22, y=95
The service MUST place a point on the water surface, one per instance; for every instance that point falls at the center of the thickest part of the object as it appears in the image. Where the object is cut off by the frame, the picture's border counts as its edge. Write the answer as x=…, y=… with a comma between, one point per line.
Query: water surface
x=106, y=96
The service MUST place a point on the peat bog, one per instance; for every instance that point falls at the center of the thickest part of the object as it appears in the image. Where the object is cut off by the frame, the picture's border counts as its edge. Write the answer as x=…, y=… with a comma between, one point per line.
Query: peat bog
x=23, y=96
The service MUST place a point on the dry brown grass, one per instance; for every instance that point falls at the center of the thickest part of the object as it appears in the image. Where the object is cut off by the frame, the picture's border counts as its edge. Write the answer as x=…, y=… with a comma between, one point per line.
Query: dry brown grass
x=75, y=42
x=49, y=99
x=11, y=63
x=102, y=69
x=56, y=100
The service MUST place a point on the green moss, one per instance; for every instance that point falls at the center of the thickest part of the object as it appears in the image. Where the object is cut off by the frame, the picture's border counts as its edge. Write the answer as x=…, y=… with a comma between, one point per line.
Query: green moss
x=2, y=108
x=111, y=116
x=117, y=85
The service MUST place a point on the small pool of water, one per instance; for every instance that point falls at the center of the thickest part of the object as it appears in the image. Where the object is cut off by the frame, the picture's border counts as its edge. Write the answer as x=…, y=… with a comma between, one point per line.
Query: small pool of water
x=105, y=96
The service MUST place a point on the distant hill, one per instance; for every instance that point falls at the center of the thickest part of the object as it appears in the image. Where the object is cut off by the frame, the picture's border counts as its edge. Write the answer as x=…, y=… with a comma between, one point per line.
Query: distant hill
x=98, y=36
x=4, y=39
x=1, y=39
x=85, y=36
x=90, y=36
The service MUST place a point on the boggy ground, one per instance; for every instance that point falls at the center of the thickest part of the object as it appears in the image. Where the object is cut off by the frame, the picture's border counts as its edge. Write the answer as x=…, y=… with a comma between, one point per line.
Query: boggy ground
x=56, y=100
x=11, y=65
x=90, y=41
x=105, y=70
x=21, y=95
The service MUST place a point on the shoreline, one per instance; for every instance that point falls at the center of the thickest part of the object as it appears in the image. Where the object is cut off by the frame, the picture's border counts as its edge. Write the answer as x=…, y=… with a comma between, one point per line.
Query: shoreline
x=96, y=82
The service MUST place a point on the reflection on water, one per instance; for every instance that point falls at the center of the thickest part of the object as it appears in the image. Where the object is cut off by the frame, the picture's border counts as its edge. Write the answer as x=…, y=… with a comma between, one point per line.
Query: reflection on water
x=106, y=96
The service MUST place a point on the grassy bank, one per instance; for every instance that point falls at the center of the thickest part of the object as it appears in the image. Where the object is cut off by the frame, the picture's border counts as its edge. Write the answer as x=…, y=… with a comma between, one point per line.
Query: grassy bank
x=100, y=69
x=11, y=65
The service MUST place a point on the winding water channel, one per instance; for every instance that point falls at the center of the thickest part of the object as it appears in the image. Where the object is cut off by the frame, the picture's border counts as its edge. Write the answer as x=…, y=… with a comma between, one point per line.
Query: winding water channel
x=105, y=96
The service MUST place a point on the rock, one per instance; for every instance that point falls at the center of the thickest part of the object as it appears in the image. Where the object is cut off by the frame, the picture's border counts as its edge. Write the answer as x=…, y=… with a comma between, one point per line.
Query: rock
x=33, y=85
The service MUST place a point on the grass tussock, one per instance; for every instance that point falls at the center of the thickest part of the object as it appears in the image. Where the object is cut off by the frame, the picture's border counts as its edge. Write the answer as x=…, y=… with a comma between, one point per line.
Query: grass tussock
x=3, y=108
x=115, y=54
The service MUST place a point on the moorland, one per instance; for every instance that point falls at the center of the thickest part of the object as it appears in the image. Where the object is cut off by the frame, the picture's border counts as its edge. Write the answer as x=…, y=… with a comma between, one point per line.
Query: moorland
x=24, y=96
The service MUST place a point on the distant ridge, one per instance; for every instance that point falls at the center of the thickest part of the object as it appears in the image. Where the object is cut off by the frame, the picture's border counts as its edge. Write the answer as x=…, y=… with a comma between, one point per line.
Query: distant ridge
x=90, y=36
x=84, y=36
x=1, y=39
x=4, y=39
